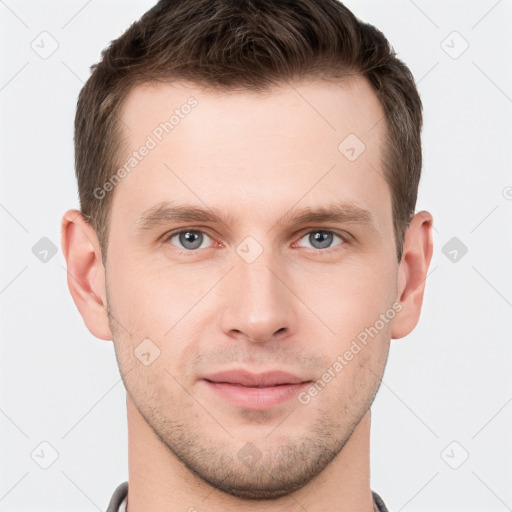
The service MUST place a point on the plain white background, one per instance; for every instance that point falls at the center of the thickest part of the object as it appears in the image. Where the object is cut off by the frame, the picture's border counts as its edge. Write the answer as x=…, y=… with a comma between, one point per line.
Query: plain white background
x=442, y=420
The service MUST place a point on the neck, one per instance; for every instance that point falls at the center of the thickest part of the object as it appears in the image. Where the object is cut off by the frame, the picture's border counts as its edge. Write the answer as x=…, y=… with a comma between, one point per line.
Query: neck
x=159, y=482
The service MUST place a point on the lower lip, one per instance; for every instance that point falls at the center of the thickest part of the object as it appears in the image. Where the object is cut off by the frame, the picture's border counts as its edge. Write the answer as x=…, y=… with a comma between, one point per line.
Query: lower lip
x=257, y=399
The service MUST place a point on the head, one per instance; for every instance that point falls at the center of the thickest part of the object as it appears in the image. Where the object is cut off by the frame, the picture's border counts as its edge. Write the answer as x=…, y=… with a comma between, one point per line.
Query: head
x=283, y=139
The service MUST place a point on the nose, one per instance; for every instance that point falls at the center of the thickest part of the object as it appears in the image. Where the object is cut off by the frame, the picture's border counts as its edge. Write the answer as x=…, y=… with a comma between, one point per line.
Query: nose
x=259, y=306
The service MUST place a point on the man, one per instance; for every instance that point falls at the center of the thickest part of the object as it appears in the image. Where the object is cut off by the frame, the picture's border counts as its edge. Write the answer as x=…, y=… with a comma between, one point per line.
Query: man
x=248, y=173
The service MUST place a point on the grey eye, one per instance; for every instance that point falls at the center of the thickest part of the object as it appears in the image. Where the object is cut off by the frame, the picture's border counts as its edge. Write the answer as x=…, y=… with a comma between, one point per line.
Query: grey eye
x=321, y=239
x=189, y=239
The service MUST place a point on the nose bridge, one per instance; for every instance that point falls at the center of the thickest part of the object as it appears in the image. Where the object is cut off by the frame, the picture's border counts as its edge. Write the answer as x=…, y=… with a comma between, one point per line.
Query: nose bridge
x=259, y=304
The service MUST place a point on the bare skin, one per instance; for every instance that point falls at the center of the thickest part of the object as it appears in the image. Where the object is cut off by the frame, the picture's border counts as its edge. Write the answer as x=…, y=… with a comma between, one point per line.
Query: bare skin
x=297, y=307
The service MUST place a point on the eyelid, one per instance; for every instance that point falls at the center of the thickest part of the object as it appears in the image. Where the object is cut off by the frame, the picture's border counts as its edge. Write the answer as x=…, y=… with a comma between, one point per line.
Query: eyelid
x=345, y=237
x=167, y=236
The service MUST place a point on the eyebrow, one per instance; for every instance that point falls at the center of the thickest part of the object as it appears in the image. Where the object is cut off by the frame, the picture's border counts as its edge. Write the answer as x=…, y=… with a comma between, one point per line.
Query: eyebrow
x=168, y=212
x=338, y=212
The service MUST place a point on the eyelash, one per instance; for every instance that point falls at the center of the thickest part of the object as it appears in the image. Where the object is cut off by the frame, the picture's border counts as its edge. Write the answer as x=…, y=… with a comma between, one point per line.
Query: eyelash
x=301, y=235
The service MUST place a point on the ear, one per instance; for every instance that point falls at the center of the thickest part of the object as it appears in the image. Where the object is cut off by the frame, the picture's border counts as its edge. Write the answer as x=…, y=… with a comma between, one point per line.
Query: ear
x=412, y=273
x=86, y=273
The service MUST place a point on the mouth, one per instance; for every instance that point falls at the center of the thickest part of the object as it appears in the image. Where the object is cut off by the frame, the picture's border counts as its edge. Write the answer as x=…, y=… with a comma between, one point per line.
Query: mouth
x=244, y=386
x=256, y=391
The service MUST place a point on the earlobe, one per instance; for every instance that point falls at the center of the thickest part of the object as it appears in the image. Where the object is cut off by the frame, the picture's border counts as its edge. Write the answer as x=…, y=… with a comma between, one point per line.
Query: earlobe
x=85, y=272
x=412, y=273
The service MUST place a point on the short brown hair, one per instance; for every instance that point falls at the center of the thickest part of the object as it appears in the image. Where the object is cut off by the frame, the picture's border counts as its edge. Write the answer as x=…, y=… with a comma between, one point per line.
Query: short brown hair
x=252, y=45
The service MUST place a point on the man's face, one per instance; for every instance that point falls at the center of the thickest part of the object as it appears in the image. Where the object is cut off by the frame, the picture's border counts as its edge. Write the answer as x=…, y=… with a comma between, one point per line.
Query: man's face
x=257, y=291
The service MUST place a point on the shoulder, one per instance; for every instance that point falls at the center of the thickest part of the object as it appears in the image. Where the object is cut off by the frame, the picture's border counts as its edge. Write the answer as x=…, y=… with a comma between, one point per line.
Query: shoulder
x=378, y=503
x=117, y=498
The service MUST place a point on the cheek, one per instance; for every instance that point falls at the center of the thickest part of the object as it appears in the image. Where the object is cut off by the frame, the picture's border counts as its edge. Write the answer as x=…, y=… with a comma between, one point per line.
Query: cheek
x=348, y=296
x=363, y=361
x=351, y=299
x=150, y=302
x=159, y=319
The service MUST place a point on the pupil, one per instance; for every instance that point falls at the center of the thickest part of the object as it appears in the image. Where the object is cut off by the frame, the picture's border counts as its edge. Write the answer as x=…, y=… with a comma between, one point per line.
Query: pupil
x=321, y=237
x=192, y=238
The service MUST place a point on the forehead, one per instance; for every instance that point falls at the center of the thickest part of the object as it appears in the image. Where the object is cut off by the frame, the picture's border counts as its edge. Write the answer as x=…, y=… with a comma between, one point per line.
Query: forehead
x=299, y=143
x=328, y=108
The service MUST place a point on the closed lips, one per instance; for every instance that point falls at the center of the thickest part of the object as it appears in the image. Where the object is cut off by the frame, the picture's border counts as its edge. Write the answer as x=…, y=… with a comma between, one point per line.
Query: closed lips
x=255, y=380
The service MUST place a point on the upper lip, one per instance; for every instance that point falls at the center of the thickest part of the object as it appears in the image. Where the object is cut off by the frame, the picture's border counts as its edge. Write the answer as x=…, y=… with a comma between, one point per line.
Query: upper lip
x=246, y=378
